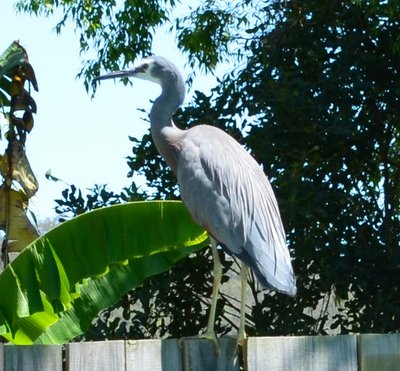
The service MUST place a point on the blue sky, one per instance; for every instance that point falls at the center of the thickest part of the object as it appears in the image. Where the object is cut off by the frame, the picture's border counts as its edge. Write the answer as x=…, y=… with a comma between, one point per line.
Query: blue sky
x=82, y=141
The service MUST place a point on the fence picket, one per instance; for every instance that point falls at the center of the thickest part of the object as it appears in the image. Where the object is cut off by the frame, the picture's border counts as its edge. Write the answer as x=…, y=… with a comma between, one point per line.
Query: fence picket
x=143, y=355
x=32, y=358
x=96, y=356
x=366, y=352
x=379, y=352
x=2, y=357
x=298, y=353
x=201, y=354
x=171, y=357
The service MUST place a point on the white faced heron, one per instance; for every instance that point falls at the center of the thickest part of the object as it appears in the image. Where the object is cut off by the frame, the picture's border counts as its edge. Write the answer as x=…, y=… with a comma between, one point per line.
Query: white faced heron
x=222, y=186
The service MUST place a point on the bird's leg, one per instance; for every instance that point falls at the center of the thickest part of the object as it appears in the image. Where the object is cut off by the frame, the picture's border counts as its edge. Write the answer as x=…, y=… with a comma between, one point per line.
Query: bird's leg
x=241, y=336
x=210, y=333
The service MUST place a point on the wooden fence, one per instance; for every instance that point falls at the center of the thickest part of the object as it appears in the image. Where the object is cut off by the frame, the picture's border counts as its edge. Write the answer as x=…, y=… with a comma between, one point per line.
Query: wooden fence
x=369, y=352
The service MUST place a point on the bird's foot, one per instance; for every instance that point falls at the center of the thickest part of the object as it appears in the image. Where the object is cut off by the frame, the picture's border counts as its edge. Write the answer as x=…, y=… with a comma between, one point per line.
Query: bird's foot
x=239, y=343
x=208, y=335
x=241, y=339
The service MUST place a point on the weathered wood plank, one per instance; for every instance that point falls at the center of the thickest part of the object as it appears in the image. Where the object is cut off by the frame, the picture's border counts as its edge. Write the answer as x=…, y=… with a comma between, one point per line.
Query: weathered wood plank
x=1, y=357
x=379, y=352
x=171, y=355
x=143, y=355
x=375, y=352
x=185, y=355
x=96, y=356
x=200, y=355
x=33, y=358
x=300, y=353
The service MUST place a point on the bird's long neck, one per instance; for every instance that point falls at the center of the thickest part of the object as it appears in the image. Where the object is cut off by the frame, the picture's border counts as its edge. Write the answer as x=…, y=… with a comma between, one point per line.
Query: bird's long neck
x=167, y=137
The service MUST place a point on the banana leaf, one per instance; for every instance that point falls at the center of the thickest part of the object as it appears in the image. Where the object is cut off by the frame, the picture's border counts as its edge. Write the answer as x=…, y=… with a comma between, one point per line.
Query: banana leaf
x=52, y=291
x=15, y=55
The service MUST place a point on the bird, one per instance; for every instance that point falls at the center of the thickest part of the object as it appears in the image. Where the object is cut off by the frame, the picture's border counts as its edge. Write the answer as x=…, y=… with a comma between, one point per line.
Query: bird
x=223, y=188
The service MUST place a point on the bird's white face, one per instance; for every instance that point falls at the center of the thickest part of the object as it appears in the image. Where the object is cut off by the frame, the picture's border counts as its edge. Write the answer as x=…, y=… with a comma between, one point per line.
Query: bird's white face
x=145, y=70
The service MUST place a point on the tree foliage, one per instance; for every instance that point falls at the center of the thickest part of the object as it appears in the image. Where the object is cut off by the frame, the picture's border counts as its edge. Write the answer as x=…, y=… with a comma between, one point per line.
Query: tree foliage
x=331, y=126
x=17, y=181
x=121, y=31
x=316, y=100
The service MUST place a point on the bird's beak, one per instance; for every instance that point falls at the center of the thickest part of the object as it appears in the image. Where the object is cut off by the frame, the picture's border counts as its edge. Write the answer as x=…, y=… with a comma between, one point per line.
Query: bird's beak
x=117, y=74
x=134, y=72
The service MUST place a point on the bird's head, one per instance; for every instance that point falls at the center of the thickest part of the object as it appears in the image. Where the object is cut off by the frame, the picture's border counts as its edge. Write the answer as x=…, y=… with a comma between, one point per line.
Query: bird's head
x=156, y=69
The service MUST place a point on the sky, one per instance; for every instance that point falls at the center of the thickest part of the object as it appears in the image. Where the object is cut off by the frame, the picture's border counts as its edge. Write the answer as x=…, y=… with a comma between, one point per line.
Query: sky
x=81, y=140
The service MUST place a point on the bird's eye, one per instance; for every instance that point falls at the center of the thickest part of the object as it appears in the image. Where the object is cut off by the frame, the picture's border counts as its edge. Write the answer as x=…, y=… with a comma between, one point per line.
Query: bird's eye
x=145, y=67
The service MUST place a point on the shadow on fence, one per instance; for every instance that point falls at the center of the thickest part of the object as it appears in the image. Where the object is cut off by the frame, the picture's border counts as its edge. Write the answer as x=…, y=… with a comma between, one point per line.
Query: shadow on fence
x=366, y=352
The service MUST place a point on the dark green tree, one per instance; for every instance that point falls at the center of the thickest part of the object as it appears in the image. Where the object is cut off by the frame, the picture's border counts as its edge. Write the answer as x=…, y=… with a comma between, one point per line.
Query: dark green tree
x=318, y=99
x=329, y=134
x=315, y=98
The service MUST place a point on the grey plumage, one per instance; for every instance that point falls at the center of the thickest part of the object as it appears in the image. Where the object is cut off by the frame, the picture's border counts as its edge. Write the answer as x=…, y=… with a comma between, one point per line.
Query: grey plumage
x=222, y=186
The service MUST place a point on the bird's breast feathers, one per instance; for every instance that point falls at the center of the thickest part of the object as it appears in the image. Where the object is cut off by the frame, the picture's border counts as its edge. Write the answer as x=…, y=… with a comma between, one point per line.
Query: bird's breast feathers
x=223, y=185
x=228, y=194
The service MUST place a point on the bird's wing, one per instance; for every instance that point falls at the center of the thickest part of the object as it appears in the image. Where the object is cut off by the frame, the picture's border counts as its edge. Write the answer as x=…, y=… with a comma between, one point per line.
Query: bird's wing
x=227, y=193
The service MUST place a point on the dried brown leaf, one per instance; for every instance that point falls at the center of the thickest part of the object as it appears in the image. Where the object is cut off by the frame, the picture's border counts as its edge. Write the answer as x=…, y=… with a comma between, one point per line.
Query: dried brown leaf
x=21, y=232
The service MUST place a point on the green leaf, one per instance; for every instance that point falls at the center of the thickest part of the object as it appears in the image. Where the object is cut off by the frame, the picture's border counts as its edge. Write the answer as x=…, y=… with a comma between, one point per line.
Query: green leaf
x=58, y=284
x=13, y=56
